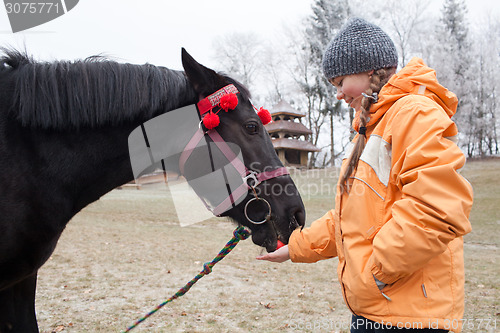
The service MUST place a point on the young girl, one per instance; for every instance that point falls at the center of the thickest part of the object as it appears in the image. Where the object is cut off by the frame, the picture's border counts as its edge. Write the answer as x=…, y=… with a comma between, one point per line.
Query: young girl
x=401, y=207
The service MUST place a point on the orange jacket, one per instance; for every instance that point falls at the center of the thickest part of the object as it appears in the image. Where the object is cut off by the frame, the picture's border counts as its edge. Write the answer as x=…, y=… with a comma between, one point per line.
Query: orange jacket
x=405, y=214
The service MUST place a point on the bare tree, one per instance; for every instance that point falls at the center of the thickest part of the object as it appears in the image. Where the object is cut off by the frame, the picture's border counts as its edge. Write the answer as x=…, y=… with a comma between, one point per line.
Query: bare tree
x=484, y=134
x=455, y=65
x=302, y=72
x=274, y=74
x=407, y=18
x=239, y=55
x=326, y=19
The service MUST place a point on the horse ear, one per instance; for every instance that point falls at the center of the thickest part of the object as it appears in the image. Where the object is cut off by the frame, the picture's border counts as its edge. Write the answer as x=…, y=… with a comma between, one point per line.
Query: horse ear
x=202, y=78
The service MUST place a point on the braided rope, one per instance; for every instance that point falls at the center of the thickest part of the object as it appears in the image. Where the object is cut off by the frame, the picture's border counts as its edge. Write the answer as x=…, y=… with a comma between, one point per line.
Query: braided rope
x=239, y=233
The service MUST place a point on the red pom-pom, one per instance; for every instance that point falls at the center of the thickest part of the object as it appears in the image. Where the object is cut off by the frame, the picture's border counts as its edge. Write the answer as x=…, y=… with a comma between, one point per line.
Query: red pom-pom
x=280, y=244
x=228, y=102
x=264, y=115
x=211, y=121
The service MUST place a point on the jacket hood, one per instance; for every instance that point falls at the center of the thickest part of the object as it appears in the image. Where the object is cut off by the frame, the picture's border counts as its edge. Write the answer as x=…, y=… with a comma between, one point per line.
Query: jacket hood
x=414, y=79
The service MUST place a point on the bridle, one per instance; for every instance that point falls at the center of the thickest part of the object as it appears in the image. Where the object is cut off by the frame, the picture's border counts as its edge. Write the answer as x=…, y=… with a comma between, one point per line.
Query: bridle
x=251, y=179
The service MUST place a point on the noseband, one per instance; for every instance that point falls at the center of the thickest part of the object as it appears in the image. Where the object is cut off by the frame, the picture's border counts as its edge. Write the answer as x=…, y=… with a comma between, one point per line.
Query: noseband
x=251, y=179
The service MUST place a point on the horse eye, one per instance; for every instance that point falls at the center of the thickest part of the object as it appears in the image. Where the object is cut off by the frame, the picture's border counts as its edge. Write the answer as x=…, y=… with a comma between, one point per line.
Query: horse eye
x=252, y=128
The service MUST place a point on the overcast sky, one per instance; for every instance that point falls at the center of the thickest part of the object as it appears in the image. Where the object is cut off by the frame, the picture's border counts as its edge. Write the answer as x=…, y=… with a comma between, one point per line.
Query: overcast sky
x=150, y=30
x=154, y=30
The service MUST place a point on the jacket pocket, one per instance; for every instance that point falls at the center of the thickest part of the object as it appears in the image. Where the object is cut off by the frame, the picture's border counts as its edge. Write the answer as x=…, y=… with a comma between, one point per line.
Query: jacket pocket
x=407, y=296
x=363, y=294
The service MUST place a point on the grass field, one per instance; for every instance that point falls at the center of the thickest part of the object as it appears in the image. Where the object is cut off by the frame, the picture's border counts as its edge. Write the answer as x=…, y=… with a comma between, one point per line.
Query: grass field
x=124, y=254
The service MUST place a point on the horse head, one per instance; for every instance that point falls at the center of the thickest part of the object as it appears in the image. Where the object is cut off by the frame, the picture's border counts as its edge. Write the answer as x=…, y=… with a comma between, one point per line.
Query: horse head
x=270, y=206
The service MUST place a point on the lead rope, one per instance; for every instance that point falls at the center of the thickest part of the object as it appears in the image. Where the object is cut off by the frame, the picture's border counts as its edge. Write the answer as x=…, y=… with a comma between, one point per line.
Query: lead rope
x=239, y=233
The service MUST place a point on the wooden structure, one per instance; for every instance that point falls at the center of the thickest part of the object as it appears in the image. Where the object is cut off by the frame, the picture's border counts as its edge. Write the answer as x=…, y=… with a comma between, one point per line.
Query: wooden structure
x=289, y=136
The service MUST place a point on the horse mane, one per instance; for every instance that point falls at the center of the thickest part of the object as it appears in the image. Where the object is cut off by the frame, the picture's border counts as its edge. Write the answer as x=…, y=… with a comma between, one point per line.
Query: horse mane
x=91, y=92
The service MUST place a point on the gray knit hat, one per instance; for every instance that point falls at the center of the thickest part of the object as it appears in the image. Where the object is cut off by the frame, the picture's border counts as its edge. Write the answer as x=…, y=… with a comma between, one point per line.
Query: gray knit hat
x=358, y=47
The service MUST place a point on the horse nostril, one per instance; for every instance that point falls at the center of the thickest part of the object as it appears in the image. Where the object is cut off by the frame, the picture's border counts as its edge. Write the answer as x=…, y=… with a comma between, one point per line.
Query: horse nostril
x=301, y=217
x=298, y=219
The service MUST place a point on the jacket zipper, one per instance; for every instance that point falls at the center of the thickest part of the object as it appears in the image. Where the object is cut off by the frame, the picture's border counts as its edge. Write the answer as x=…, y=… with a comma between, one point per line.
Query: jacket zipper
x=343, y=289
x=343, y=260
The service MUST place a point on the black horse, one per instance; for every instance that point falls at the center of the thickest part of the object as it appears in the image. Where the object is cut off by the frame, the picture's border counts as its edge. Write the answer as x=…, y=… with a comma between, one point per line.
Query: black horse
x=63, y=144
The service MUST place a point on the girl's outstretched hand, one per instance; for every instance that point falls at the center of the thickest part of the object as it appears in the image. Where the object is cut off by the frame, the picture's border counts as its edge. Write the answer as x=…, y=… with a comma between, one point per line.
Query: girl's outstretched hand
x=280, y=255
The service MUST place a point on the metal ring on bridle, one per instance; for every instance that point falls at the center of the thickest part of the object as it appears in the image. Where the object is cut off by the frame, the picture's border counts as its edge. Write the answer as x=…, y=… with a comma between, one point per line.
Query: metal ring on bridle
x=252, y=175
x=268, y=215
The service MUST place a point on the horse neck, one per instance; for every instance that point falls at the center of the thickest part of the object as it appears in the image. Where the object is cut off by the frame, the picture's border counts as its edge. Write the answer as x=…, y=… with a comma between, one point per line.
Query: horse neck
x=92, y=161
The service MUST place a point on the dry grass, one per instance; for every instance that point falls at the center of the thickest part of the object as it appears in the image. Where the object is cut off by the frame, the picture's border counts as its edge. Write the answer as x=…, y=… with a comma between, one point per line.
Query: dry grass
x=125, y=254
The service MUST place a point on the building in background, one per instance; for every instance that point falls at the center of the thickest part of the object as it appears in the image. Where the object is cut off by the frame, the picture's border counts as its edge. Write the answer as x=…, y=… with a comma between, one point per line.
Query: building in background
x=289, y=136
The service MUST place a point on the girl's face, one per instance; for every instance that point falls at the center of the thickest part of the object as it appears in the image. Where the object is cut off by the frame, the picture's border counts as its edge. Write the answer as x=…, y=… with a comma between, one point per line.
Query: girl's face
x=350, y=87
